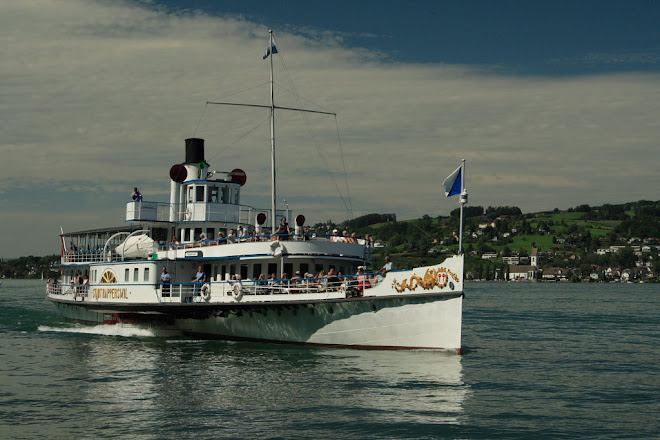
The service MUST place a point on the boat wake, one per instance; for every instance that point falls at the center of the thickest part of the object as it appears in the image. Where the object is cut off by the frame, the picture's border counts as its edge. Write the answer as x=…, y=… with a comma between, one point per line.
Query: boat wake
x=122, y=330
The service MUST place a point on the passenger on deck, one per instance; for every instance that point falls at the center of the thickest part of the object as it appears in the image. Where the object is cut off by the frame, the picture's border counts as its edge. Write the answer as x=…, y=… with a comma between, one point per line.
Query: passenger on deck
x=261, y=284
x=363, y=280
x=354, y=238
x=240, y=233
x=199, y=279
x=333, y=279
x=296, y=283
x=387, y=267
x=335, y=236
x=202, y=239
x=282, y=233
x=174, y=243
x=166, y=280
x=136, y=196
x=273, y=284
x=231, y=237
x=221, y=238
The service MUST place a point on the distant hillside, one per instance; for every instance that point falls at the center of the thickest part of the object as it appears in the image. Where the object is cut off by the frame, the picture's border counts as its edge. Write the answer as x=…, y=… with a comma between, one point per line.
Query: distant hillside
x=579, y=238
x=564, y=238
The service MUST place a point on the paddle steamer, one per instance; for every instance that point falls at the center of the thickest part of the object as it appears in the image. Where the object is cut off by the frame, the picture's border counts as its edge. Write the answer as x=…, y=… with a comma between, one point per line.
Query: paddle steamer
x=242, y=286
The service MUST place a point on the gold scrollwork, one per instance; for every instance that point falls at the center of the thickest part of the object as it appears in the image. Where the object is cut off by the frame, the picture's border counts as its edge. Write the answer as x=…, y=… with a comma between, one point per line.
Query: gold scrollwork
x=432, y=277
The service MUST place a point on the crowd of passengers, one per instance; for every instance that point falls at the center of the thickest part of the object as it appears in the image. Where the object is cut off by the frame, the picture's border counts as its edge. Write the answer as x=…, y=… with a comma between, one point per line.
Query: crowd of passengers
x=354, y=285
x=282, y=233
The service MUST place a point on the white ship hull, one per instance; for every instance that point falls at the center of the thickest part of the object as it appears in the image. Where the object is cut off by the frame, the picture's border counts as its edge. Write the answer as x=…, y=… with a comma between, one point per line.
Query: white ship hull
x=398, y=323
x=413, y=322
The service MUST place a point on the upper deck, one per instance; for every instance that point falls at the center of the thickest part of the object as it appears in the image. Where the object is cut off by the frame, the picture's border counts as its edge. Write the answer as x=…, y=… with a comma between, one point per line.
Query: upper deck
x=248, y=247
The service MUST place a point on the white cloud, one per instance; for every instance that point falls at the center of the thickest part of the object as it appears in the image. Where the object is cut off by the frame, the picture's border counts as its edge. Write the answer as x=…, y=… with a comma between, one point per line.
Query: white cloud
x=98, y=97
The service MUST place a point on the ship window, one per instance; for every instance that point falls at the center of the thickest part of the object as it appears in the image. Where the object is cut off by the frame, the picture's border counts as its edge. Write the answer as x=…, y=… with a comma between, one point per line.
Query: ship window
x=272, y=268
x=146, y=274
x=190, y=193
x=318, y=268
x=304, y=268
x=223, y=272
x=214, y=195
x=288, y=270
x=127, y=275
x=225, y=194
x=199, y=191
x=235, y=198
x=244, y=271
x=256, y=271
x=135, y=274
x=232, y=269
x=159, y=234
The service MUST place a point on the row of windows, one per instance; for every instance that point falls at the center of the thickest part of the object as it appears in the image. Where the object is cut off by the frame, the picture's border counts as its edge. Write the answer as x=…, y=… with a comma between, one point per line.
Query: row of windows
x=127, y=275
x=136, y=275
x=213, y=194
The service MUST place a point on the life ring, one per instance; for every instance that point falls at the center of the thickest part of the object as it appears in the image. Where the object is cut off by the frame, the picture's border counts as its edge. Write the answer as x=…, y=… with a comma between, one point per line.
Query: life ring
x=277, y=248
x=205, y=291
x=188, y=214
x=237, y=289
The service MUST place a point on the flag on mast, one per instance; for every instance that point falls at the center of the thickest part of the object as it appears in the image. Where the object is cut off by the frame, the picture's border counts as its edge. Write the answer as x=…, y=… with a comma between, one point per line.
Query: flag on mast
x=454, y=182
x=271, y=48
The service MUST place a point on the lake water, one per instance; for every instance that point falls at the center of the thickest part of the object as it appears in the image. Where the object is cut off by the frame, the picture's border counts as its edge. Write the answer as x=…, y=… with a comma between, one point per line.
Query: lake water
x=540, y=361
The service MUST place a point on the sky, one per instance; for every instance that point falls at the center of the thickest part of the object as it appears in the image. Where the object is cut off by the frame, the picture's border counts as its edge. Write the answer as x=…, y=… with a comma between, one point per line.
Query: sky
x=551, y=104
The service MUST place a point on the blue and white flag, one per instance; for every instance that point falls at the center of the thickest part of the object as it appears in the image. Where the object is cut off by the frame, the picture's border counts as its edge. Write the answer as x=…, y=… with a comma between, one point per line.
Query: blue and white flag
x=454, y=183
x=270, y=49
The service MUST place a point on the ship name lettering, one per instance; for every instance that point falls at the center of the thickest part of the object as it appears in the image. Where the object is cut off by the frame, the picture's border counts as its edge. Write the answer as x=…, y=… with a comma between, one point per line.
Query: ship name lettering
x=111, y=293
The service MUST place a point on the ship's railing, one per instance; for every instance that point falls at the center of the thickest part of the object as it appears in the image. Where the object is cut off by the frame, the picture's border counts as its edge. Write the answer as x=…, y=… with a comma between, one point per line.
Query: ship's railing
x=151, y=211
x=78, y=291
x=263, y=237
x=201, y=292
x=197, y=211
x=91, y=256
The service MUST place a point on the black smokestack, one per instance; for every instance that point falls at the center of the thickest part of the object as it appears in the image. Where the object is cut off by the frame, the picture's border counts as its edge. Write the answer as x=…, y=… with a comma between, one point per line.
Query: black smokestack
x=195, y=150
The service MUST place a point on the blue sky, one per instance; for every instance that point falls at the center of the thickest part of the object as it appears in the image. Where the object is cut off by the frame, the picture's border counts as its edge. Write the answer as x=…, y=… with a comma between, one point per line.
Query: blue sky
x=520, y=37
x=552, y=104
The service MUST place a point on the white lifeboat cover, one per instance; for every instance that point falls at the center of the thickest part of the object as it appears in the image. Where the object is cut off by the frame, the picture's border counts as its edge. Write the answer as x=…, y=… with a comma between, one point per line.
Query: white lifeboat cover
x=137, y=246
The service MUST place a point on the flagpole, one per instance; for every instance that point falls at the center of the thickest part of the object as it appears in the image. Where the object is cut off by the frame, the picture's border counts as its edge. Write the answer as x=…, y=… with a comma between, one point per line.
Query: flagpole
x=272, y=139
x=462, y=202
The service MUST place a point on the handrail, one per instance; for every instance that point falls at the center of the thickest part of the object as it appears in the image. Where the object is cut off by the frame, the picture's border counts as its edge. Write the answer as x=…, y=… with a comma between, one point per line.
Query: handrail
x=261, y=238
x=326, y=284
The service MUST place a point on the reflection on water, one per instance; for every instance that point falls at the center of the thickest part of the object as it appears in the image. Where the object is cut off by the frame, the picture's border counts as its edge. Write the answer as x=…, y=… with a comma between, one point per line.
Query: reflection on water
x=542, y=361
x=197, y=387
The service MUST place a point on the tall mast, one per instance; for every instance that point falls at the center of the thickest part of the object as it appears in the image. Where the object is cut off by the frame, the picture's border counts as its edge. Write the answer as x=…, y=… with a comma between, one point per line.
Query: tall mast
x=272, y=139
x=272, y=107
